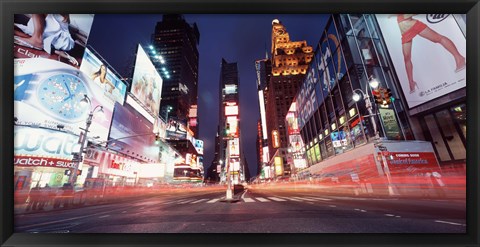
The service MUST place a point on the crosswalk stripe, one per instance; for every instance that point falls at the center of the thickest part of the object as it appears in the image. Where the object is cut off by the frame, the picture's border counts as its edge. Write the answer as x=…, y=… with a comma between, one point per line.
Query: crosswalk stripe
x=213, y=200
x=197, y=201
x=248, y=200
x=276, y=199
x=291, y=199
x=185, y=201
x=305, y=199
x=262, y=199
x=320, y=198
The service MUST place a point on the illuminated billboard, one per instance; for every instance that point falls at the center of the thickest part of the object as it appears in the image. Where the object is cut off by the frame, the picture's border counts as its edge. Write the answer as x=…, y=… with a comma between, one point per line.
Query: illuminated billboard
x=278, y=166
x=230, y=89
x=146, y=82
x=36, y=142
x=234, y=147
x=233, y=123
x=132, y=134
x=231, y=110
x=199, y=146
x=48, y=94
x=64, y=39
x=275, y=139
x=262, y=113
x=98, y=71
x=176, y=129
x=193, y=111
x=417, y=81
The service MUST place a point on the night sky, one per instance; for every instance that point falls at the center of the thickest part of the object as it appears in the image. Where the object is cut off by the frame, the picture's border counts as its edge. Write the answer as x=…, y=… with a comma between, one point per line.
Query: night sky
x=237, y=38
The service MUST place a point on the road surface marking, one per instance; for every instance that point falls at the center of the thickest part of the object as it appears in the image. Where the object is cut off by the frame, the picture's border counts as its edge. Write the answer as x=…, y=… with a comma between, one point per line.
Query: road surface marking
x=262, y=199
x=243, y=195
x=197, y=201
x=124, y=212
x=185, y=201
x=332, y=206
x=248, y=200
x=319, y=198
x=291, y=199
x=104, y=216
x=363, y=211
x=302, y=198
x=276, y=199
x=398, y=216
x=357, y=209
x=213, y=200
x=447, y=222
x=389, y=215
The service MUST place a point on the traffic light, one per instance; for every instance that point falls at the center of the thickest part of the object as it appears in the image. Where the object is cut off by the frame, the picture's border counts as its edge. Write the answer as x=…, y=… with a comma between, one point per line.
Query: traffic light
x=377, y=96
x=157, y=139
x=77, y=157
x=227, y=129
x=388, y=97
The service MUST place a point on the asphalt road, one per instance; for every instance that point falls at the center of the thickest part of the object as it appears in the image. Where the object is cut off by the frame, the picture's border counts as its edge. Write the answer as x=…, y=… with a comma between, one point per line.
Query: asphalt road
x=257, y=211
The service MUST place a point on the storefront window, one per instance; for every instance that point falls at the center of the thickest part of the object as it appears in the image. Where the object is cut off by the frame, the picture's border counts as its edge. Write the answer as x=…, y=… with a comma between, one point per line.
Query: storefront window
x=317, y=152
x=323, y=149
x=329, y=145
x=437, y=139
x=460, y=116
x=451, y=135
x=356, y=133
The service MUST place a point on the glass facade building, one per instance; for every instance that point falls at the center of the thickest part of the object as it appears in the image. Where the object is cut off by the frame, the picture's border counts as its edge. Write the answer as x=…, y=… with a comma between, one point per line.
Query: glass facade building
x=349, y=55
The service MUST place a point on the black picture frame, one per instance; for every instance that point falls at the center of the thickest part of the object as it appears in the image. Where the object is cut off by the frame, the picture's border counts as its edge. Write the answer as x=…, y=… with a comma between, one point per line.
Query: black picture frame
x=10, y=7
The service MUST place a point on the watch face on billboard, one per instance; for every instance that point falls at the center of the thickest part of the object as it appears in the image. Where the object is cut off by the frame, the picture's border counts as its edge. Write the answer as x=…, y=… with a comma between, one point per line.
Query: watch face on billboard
x=64, y=37
x=48, y=93
x=428, y=52
x=146, y=82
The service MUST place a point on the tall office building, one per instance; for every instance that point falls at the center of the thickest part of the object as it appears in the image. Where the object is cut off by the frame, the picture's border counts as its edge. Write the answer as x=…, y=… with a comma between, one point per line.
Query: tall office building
x=229, y=141
x=289, y=64
x=176, y=42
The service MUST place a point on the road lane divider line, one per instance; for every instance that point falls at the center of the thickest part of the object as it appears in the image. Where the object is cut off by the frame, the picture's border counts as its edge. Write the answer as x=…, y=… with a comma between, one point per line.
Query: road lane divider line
x=276, y=199
x=332, y=206
x=448, y=222
x=304, y=199
x=104, y=216
x=243, y=195
x=124, y=212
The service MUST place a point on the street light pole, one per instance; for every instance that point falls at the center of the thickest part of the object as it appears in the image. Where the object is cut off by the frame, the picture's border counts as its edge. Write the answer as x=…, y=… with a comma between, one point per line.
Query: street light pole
x=83, y=138
x=368, y=104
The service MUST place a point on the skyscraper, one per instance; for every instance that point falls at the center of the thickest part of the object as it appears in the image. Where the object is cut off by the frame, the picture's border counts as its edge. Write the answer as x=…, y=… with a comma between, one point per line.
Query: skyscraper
x=229, y=149
x=263, y=68
x=290, y=60
x=176, y=42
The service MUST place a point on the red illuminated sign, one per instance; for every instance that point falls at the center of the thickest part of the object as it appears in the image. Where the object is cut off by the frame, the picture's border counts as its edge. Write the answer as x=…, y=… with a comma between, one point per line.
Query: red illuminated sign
x=41, y=161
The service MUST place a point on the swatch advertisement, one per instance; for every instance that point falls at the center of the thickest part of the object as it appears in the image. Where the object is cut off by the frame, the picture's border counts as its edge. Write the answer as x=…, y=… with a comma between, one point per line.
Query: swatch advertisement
x=49, y=94
x=64, y=36
x=432, y=43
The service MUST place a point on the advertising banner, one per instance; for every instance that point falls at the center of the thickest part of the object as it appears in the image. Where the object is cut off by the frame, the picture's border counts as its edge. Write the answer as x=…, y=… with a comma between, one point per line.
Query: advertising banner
x=176, y=129
x=48, y=94
x=146, y=82
x=120, y=166
x=20, y=160
x=429, y=57
x=44, y=143
x=408, y=163
x=113, y=88
x=199, y=146
x=292, y=121
x=160, y=128
x=132, y=134
x=64, y=37
x=234, y=147
x=390, y=124
x=278, y=166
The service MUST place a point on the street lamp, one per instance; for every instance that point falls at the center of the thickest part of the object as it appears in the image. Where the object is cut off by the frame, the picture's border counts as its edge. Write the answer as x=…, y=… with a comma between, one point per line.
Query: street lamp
x=169, y=108
x=368, y=104
x=83, y=138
